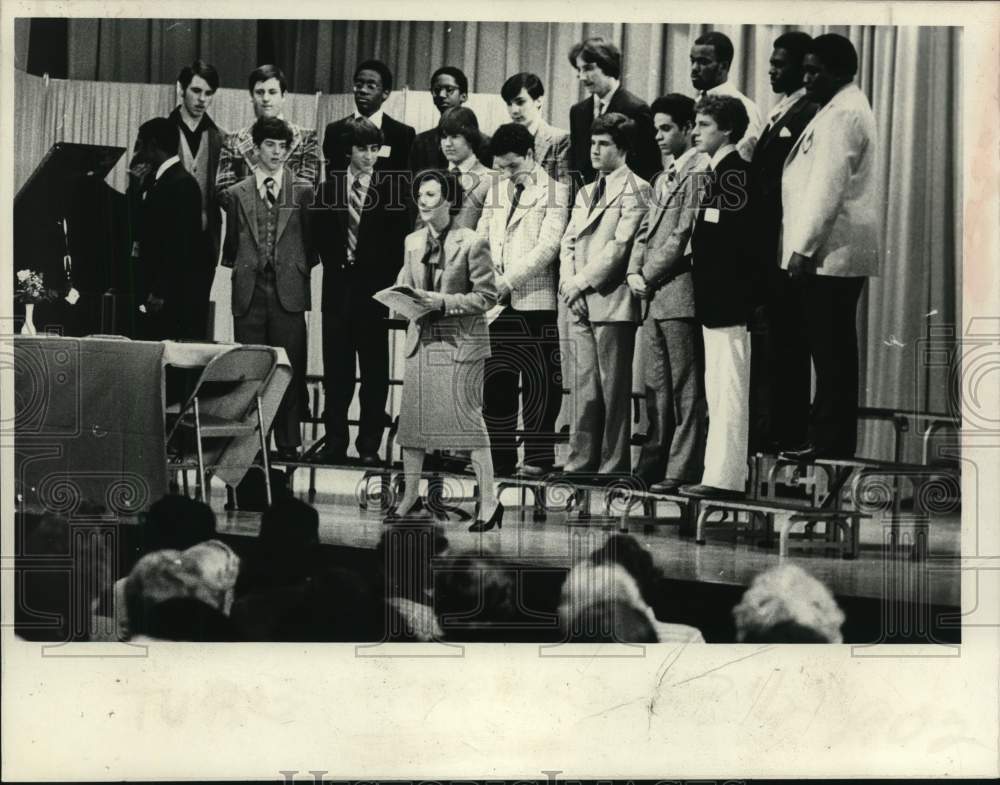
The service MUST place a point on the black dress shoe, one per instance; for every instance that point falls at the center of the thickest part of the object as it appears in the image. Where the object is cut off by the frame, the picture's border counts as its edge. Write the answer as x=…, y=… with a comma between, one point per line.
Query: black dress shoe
x=496, y=519
x=370, y=459
x=418, y=512
x=710, y=492
x=285, y=455
x=329, y=455
x=666, y=486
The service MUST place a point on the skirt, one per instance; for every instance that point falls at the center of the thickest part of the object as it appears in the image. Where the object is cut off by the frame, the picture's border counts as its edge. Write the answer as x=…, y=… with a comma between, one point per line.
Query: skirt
x=441, y=405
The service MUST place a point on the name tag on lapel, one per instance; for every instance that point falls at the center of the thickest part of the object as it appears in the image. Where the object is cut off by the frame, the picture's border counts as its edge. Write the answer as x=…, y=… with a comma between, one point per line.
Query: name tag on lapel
x=385, y=151
x=712, y=215
x=784, y=132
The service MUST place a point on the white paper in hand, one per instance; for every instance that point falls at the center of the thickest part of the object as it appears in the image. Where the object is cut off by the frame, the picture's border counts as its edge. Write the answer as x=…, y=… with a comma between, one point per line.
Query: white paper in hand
x=403, y=301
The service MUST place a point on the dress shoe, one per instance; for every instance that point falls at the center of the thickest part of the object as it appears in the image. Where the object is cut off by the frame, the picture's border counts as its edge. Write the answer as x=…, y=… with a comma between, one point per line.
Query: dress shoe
x=370, y=459
x=666, y=486
x=329, y=455
x=531, y=470
x=496, y=519
x=504, y=470
x=417, y=512
x=710, y=492
x=285, y=455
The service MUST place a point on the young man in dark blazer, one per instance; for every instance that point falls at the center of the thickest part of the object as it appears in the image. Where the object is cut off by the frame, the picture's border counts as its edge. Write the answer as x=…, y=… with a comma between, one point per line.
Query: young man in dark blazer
x=598, y=63
x=268, y=247
x=372, y=85
x=780, y=373
x=358, y=231
x=449, y=88
x=169, y=235
x=723, y=265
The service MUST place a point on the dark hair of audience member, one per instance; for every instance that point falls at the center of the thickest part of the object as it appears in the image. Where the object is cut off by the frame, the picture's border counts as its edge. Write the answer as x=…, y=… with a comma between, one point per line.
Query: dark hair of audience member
x=198, y=68
x=611, y=622
x=512, y=138
x=616, y=125
x=287, y=547
x=729, y=114
x=525, y=80
x=378, y=67
x=184, y=619
x=625, y=550
x=679, y=108
x=335, y=605
x=476, y=599
x=455, y=73
x=405, y=555
x=63, y=568
x=176, y=522
x=600, y=51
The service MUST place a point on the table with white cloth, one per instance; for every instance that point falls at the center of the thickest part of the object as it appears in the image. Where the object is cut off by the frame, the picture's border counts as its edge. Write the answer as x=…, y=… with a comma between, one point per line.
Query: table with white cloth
x=89, y=421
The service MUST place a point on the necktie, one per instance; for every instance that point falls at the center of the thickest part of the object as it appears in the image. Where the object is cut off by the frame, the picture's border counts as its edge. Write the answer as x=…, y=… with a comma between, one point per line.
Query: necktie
x=272, y=197
x=672, y=173
x=598, y=195
x=353, y=218
x=432, y=259
x=518, y=190
x=460, y=195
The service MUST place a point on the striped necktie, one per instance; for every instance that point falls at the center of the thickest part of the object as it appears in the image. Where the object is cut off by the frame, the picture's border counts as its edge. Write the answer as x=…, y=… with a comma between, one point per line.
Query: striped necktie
x=272, y=197
x=598, y=193
x=354, y=204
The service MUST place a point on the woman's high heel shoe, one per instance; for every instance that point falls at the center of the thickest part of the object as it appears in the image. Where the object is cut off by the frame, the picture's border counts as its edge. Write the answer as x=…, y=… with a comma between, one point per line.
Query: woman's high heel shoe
x=418, y=512
x=496, y=519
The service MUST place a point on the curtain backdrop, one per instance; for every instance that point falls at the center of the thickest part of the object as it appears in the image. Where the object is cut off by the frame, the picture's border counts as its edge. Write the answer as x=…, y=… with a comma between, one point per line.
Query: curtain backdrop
x=911, y=75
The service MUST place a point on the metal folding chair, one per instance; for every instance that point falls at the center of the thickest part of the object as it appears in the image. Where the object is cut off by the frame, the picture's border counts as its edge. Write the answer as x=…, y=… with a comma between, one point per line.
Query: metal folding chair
x=226, y=403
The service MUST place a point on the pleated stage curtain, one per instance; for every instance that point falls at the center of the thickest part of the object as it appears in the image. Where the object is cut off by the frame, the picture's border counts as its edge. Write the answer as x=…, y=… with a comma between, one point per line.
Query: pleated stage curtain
x=910, y=74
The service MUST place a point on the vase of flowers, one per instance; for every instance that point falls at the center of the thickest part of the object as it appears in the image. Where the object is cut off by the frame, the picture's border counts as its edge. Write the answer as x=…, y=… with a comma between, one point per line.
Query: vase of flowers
x=31, y=290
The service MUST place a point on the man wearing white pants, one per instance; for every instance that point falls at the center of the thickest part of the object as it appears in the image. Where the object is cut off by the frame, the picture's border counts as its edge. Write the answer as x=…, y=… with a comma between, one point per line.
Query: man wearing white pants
x=724, y=269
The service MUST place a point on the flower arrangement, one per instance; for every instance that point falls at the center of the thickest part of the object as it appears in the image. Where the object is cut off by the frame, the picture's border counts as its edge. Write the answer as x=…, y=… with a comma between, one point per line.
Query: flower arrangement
x=31, y=288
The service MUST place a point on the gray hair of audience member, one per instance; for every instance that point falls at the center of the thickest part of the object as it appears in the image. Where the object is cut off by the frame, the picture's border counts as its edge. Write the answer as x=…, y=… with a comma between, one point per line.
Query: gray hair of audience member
x=790, y=598
x=205, y=572
x=589, y=583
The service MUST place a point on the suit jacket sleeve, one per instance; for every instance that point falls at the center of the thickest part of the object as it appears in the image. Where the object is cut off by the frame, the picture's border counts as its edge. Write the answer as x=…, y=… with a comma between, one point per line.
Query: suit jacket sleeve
x=226, y=175
x=614, y=258
x=546, y=249
x=836, y=148
x=636, y=260
x=484, y=288
x=567, y=248
x=563, y=167
x=304, y=198
x=666, y=264
x=231, y=245
x=306, y=165
x=330, y=153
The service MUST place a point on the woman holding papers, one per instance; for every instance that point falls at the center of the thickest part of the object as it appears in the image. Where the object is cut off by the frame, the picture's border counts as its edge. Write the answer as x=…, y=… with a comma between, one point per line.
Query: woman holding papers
x=451, y=274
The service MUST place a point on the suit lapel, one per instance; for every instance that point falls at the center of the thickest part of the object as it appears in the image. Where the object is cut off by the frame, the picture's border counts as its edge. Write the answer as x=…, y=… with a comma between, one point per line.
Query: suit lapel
x=452, y=248
x=529, y=196
x=416, y=266
x=247, y=193
x=284, y=213
x=611, y=195
x=542, y=142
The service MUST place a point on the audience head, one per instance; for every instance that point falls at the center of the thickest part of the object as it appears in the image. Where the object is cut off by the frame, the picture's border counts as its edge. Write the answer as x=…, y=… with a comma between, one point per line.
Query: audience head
x=186, y=619
x=787, y=605
x=372, y=85
x=610, y=140
x=449, y=87
x=206, y=572
x=711, y=57
x=673, y=120
x=55, y=604
x=513, y=149
x=198, y=83
x=436, y=195
x=475, y=598
x=156, y=141
x=786, y=61
x=611, y=622
x=267, y=87
x=176, y=522
x=590, y=590
x=720, y=120
x=598, y=63
x=335, y=605
x=272, y=138
x=364, y=140
x=626, y=551
x=830, y=63
x=458, y=130
x=406, y=553
x=523, y=95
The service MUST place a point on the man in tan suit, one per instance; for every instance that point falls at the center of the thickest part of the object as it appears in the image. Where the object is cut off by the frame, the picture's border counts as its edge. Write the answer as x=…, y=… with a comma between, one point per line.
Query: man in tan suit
x=659, y=272
x=604, y=312
x=269, y=250
x=524, y=229
x=831, y=239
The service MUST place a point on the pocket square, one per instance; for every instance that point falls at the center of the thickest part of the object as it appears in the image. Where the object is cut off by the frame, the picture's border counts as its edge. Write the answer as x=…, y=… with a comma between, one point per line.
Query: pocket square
x=784, y=132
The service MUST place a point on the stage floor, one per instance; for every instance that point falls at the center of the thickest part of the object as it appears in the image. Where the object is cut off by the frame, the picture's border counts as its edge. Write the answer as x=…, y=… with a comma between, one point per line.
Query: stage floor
x=560, y=541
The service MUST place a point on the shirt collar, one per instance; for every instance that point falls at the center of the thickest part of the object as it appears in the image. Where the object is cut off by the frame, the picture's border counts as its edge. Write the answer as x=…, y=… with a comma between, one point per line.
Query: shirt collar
x=466, y=166
x=611, y=94
x=262, y=175
x=686, y=156
x=786, y=103
x=364, y=177
x=376, y=118
x=617, y=174
x=721, y=153
x=174, y=159
x=726, y=88
x=533, y=128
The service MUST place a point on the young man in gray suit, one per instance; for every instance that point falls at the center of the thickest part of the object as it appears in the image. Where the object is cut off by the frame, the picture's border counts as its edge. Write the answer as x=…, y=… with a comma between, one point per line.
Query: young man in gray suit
x=604, y=312
x=831, y=241
x=523, y=95
x=268, y=247
x=659, y=272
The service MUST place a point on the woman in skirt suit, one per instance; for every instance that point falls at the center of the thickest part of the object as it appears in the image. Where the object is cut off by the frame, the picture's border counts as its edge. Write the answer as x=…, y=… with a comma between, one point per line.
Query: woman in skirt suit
x=442, y=404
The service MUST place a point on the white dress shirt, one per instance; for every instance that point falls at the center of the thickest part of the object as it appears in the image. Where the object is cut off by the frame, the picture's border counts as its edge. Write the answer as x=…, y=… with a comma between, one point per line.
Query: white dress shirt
x=601, y=104
x=375, y=119
x=261, y=175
